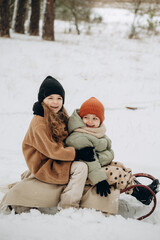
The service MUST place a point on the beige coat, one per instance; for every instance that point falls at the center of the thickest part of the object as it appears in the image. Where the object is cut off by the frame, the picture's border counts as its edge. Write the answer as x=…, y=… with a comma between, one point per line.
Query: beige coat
x=47, y=161
x=31, y=192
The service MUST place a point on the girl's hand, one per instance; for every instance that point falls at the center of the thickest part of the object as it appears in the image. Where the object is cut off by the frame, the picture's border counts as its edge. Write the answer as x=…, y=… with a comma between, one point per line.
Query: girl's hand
x=85, y=154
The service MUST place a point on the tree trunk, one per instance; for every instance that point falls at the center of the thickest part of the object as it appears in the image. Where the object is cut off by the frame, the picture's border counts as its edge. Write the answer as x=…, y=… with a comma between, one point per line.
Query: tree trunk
x=14, y=14
x=20, y=17
x=76, y=22
x=48, y=22
x=34, y=21
x=4, y=18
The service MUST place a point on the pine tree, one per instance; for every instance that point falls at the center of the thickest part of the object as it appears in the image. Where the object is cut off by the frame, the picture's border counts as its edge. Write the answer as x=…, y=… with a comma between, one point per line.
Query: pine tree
x=4, y=18
x=48, y=22
x=35, y=15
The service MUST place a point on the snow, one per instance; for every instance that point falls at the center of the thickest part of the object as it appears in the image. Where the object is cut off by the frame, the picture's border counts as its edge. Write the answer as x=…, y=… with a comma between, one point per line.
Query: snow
x=119, y=72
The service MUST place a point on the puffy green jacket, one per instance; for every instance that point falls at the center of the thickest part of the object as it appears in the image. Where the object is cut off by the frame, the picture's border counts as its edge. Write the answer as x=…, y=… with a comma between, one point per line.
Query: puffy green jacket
x=103, y=152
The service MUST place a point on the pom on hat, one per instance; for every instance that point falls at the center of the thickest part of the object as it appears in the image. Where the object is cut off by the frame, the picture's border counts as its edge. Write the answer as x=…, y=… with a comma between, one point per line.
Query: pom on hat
x=92, y=106
x=50, y=86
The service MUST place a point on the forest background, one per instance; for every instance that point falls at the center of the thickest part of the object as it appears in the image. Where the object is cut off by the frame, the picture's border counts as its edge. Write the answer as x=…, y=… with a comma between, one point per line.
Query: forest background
x=14, y=14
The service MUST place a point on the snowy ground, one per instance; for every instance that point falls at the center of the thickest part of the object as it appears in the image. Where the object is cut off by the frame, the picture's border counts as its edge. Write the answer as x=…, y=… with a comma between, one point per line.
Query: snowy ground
x=104, y=64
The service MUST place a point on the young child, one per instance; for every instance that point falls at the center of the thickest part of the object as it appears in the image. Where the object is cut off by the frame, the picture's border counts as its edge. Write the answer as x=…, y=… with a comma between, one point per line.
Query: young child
x=86, y=129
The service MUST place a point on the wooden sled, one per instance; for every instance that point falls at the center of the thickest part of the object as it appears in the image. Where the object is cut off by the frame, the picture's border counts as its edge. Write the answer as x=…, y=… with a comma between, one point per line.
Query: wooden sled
x=141, y=185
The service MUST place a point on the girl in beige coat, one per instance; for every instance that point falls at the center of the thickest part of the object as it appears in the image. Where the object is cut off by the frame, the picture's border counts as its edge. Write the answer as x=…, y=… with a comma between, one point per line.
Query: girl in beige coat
x=47, y=158
x=43, y=146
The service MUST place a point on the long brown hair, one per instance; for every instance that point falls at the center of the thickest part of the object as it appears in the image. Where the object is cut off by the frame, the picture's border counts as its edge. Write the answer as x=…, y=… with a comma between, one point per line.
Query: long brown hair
x=56, y=123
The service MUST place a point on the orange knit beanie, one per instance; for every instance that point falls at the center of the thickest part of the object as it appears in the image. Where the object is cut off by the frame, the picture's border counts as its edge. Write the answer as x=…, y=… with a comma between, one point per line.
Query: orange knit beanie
x=92, y=106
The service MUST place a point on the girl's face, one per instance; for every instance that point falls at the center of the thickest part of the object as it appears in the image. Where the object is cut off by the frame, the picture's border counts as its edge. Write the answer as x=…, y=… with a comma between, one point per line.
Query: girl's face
x=91, y=120
x=54, y=102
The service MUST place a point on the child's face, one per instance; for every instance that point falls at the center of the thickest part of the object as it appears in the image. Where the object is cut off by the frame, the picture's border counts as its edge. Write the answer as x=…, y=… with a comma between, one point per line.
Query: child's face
x=54, y=102
x=91, y=120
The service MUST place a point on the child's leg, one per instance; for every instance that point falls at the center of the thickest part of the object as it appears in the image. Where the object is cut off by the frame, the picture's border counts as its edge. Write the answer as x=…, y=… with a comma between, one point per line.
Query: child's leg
x=72, y=194
x=121, y=165
x=119, y=176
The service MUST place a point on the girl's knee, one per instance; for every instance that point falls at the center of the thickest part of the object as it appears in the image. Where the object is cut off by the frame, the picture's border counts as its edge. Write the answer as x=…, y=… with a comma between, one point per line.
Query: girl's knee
x=82, y=168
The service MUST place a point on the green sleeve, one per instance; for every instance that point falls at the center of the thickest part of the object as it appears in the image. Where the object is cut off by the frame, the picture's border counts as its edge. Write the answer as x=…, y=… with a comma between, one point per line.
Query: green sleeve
x=95, y=172
x=105, y=157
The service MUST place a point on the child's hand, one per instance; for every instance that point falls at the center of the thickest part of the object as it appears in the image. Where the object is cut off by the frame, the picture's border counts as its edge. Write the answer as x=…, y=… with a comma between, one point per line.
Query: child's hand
x=85, y=154
x=103, y=188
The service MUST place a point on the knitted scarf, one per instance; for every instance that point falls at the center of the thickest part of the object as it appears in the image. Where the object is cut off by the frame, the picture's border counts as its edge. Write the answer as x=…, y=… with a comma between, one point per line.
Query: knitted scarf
x=97, y=132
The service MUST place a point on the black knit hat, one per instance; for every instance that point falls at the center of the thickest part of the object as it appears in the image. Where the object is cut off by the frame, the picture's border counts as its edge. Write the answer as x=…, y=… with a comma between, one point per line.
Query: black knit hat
x=50, y=86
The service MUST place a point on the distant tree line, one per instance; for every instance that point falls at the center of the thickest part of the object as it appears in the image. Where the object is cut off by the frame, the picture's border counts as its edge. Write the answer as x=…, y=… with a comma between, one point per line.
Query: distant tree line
x=14, y=17
x=13, y=14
